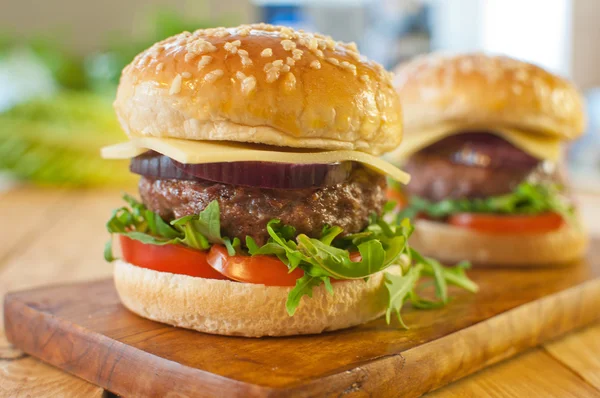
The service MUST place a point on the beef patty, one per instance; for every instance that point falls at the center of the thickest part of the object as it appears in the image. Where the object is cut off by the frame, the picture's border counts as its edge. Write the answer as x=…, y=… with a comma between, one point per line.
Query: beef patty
x=245, y=211
x=473, y=165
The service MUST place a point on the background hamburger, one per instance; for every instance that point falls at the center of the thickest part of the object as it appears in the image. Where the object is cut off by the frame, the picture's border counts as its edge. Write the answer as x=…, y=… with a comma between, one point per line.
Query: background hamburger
x=260, y=186
x=483, y=145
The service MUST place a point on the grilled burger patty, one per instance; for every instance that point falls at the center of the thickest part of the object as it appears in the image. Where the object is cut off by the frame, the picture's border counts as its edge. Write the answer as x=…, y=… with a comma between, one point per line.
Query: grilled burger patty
x=473, y=165
x=245, y=211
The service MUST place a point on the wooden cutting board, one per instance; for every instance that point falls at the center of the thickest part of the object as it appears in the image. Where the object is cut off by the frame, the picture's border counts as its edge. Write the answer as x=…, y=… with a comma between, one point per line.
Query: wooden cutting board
x=83, y=329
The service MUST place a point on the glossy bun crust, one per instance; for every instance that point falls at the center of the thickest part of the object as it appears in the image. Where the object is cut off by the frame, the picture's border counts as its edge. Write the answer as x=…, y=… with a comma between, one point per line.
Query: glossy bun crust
x=261, y=84
x=486, y=92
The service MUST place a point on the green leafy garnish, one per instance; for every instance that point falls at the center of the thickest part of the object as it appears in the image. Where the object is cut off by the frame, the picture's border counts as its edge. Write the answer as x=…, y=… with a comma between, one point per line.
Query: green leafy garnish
x=381, y=245
x=528, y=198
x=197, y=231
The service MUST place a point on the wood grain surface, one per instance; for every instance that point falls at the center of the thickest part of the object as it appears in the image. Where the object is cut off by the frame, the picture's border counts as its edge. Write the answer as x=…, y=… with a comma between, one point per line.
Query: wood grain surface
x=41, y=247
x=83, y=329
x=581, y=352
x=34, y=237
x=532, y=374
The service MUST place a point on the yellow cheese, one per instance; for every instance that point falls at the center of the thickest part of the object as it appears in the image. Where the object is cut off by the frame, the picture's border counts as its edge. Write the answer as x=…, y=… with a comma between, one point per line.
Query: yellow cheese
x=539, y=146
x=196, y=152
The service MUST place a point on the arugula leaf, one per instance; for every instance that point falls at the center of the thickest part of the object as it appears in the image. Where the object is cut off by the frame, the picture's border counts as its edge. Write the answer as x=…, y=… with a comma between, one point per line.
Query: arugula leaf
x=436, y=270
x=108, y=251
x=404, y=288
x=527, y=198
x=196, y=231
x=329, y=234
x=233, y=247
x=454, y=275
x=399, y=288
x=304, y=286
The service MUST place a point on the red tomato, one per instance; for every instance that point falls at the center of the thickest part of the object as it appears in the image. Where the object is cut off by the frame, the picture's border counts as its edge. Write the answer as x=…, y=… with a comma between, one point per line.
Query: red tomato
x=505, y=224
x=265, y=270
x=396, y=196
x=175, y=259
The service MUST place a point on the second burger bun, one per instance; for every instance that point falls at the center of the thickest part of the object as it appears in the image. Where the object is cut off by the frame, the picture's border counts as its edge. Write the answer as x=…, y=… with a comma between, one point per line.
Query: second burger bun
x=260, y=84
x=482, y=91
x=245, y=309
x=450, y=244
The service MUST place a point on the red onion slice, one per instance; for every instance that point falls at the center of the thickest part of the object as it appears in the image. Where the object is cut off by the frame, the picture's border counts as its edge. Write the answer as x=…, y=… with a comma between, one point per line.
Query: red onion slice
x=482, y=150
x=271, y=175
x=153, y=164
x=268, y=175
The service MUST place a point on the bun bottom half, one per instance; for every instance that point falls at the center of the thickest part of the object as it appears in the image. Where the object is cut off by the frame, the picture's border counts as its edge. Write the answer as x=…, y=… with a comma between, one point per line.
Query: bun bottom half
x=245, y=309
x=450, y=244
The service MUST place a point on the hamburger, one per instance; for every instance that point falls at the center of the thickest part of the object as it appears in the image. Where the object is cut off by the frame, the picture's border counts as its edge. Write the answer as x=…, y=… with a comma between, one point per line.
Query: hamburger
x=262, y=205
x=483, y=137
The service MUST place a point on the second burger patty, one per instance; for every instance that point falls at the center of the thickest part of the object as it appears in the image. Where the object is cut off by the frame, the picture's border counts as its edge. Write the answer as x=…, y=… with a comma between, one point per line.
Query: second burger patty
x=245, y=211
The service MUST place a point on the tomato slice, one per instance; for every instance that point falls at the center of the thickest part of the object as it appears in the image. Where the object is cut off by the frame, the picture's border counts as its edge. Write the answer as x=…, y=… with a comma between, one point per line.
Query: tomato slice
x=505, y=224
x=265, y=270
x=396, y=196
x=175, y=259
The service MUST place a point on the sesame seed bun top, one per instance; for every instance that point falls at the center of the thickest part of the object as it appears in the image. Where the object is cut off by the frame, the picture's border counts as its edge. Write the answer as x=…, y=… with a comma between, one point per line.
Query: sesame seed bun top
x=485, y=92
x=262, y=84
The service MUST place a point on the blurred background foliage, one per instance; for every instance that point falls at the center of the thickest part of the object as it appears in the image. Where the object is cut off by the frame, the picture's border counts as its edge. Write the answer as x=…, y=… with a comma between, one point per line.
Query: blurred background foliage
x=56, y=106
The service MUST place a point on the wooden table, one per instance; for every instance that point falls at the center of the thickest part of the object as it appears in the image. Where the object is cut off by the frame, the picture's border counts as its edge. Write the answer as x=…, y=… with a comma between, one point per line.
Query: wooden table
x=51, y=236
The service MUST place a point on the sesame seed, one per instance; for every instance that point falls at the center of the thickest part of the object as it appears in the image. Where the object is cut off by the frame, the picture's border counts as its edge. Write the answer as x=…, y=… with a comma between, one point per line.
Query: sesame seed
x=285, y=68
x=245, y=31
x=243, y=53
x=240, y=75
x=278, y=63
x=267, y=66
x=313, y=44
x=287, y=33
x=246, y=61
x=205, y=60
x=199, y=46
x=221, y=33
x=354, y=55
x=248, y=85
x=352, y=46
x=365, y=78
x=315, y=64
x=297, y=54
x=290, y=81
x=272, y=75
x=267, y=52
x=186, y=75
x=319, y=53
x=214, y=75
x=230, y=47
x=290, y=61
x=334, y=61
x=176, y=85
x=349, y=66
x=288, y=45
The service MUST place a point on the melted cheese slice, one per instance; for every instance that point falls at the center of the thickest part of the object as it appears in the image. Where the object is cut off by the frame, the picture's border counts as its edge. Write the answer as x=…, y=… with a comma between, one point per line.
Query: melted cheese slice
x=196, y=152
x=538, y=146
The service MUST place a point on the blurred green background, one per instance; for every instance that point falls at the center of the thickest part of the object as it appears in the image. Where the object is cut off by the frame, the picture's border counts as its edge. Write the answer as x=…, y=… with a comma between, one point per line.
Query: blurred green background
x=56, y=105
